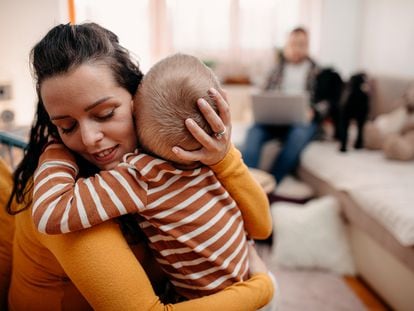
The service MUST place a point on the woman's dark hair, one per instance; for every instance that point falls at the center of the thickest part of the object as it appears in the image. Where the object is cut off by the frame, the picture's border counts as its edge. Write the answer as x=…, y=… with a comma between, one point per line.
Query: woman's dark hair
x=64, y=48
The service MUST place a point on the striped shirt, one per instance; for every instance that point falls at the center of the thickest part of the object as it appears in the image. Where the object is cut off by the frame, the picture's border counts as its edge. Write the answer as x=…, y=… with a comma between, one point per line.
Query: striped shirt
x=193, y=225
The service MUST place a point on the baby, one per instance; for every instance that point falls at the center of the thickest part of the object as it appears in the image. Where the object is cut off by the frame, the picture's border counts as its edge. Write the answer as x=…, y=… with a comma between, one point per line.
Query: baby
x=193, y=225
x=166, y=97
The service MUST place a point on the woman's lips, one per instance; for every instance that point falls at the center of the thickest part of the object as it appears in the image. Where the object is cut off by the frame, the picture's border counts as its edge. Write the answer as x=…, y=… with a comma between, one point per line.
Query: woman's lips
x=106, y=155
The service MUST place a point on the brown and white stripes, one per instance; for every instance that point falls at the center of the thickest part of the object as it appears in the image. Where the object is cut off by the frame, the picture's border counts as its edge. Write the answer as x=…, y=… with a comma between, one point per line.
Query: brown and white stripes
x=192, y=223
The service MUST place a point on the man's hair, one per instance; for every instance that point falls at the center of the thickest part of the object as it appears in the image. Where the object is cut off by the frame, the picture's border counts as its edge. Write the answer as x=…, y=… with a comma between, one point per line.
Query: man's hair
x=168, y=96
x=299, y=30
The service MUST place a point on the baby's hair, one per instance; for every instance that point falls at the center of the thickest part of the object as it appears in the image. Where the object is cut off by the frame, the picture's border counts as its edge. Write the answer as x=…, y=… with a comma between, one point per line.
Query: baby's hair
x=166, y=97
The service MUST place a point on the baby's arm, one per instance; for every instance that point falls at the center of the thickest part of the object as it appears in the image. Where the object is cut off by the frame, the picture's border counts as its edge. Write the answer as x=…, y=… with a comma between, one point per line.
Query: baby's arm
x=249, y=195
x=119, y=282
x=62, y=204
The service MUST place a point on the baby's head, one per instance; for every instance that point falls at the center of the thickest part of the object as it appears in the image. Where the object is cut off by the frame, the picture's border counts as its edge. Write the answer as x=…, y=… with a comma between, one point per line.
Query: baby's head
x=166, y=97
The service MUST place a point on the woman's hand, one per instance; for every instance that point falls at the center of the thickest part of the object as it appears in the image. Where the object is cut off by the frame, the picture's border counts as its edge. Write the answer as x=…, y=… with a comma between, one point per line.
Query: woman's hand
x=214, y=147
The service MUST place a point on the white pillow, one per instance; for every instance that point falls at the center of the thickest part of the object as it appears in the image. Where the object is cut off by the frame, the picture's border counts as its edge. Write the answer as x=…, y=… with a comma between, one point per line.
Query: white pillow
x=311, y=236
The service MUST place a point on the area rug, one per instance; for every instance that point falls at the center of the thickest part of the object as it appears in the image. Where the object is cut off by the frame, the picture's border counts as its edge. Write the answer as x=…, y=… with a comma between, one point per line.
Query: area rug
x=302, y=290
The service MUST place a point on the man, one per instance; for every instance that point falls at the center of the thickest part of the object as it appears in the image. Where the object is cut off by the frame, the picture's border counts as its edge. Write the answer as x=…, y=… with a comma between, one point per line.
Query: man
x=294, y=72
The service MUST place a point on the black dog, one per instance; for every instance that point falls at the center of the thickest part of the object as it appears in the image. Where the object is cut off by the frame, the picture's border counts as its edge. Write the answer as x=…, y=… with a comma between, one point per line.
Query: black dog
x=326, y=97
x=355, y=106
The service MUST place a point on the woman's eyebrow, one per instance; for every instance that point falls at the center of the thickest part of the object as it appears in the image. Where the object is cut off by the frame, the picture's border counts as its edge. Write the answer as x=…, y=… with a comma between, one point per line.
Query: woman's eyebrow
x=98, y=102
x=88, y=108
x=58, y=118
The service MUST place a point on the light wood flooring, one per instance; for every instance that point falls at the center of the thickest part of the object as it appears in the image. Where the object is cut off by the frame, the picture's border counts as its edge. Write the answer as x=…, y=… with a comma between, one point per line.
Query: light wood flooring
x=370, y=300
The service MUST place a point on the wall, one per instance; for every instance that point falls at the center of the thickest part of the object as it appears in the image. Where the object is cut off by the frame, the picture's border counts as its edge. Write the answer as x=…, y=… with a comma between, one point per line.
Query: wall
x=22, y=24
x=339, y=36
x=388, y=37
x=375, y=35
x=372, y=35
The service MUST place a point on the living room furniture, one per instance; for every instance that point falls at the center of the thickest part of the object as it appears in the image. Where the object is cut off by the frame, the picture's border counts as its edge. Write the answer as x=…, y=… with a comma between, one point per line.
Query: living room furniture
x=376, y=195
x=377, y=199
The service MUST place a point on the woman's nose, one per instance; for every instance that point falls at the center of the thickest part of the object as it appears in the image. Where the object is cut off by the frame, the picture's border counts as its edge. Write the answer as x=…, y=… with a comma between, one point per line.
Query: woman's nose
x=91, y=134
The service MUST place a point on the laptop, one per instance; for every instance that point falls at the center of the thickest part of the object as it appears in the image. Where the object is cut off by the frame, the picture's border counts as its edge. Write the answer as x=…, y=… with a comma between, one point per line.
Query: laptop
x=278, y=108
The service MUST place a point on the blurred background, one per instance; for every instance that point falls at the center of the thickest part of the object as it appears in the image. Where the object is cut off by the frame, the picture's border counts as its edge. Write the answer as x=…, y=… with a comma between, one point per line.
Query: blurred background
x=238, y=38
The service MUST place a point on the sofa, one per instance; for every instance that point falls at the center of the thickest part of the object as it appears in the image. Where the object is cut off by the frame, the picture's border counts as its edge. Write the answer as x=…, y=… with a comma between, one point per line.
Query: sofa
x=376, y=195
x=377, y=200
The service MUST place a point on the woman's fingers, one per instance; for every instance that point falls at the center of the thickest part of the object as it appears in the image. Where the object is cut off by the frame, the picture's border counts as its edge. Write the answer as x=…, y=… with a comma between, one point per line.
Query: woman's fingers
x=199, y=134
x=185, y=155
x=213, y=147
x=222, y=106
x=211, y=116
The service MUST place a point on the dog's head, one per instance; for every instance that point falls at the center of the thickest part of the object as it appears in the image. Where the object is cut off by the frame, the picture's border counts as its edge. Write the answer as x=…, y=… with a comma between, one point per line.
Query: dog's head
x=328, y=86
x=359, y=82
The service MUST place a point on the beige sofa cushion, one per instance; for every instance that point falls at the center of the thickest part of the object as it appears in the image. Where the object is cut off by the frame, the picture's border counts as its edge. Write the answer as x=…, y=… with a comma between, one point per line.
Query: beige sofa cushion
x=381, y=187
x=386, y=92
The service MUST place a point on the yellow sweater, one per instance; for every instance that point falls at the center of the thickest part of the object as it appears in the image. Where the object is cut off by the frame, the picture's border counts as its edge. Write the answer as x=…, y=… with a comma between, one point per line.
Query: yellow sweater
x=105, y=270
x=6, y=233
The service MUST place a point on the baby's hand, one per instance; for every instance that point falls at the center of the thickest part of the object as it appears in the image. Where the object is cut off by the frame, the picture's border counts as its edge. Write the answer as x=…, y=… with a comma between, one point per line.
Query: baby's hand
x=216, y=146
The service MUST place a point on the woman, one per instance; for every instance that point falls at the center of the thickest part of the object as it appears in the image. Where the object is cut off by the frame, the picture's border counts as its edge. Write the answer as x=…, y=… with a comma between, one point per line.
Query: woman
x=85, y=84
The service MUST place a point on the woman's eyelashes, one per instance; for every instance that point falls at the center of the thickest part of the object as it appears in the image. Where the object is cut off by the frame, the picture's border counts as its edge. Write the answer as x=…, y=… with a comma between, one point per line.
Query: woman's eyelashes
x=106, y=115
x=67, y=130
x=100, y=117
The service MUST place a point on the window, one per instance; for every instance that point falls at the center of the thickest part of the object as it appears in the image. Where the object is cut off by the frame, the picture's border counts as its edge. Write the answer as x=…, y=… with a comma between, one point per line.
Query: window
x=239, y=36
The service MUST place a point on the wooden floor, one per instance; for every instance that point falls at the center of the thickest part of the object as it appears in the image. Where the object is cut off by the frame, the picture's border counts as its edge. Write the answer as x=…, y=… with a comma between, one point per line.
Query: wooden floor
x=370, y=300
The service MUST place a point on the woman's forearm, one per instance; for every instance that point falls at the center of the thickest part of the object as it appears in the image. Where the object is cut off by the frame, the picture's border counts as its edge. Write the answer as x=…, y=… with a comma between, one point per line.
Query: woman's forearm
x=245, y=190
x=106, y=272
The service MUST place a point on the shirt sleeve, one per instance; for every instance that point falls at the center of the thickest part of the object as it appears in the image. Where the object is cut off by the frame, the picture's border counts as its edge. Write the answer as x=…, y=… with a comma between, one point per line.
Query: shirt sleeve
x=86, y=256
x=246, y=191
x=62, y=203
x=6, y=233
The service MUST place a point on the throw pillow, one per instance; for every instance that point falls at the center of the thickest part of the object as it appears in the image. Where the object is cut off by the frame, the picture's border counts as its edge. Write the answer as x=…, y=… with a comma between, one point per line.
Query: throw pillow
x=312, y=236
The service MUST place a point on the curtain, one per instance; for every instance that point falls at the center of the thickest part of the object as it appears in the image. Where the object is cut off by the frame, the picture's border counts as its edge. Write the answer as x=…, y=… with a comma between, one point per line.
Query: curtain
x=235, y=37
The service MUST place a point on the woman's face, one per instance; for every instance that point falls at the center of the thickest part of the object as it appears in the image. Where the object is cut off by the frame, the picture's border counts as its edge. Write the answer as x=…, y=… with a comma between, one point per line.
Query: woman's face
x=92, y=113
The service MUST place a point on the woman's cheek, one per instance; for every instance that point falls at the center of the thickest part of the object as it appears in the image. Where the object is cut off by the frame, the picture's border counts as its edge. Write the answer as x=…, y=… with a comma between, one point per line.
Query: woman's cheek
x=72, y=143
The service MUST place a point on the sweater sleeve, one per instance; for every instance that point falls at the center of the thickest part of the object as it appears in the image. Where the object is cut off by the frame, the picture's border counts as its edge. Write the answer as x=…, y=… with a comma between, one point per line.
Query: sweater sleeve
x=119, y=282
x=246, y=191
x=62, y=203
x=6, y=233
